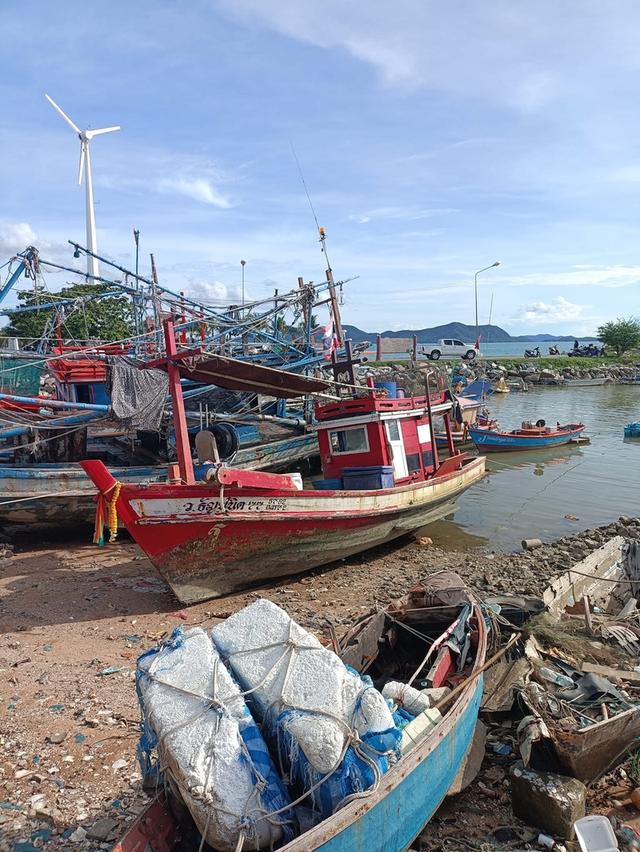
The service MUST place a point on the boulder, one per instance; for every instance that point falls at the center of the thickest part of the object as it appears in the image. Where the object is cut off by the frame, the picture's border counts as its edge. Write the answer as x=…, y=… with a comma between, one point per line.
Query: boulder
x=551, y=802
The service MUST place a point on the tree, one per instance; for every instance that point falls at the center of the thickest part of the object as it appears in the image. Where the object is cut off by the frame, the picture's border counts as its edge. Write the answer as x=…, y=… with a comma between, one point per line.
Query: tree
x=105, y=319
x=621, y=335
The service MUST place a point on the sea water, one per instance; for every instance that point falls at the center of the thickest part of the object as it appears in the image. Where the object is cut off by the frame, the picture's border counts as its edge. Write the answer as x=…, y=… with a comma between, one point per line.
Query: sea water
x=538, y=493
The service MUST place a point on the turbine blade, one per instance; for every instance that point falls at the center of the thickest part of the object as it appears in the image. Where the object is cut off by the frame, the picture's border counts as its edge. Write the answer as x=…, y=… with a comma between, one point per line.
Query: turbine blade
x=91, y=133
x=63, y=114
x=82, y=160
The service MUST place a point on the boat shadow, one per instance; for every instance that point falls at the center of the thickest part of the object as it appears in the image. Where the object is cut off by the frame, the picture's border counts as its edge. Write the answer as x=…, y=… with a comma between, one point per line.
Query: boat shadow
x=53, y=583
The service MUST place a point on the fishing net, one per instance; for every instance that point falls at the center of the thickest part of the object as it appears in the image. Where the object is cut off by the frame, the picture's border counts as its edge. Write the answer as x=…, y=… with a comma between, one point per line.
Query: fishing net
x=19, y=377
x=137, y=396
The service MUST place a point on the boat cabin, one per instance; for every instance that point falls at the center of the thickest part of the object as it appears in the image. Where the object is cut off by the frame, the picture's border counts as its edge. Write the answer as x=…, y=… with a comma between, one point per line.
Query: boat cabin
x=81, y=379
x=374, y=441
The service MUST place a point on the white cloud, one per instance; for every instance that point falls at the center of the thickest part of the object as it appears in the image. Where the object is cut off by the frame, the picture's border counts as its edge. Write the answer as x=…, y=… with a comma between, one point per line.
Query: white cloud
x=581, y=275
x=523, y=55
x=557, y=311
x=16, y=236
x=214, y=292
x=200, y=189
x=190, y=175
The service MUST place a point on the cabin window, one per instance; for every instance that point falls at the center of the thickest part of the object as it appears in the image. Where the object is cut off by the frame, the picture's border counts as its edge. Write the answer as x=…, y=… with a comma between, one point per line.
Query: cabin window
x=413, y=462
x=353, y=440
x=427, y=458
x=393, y=430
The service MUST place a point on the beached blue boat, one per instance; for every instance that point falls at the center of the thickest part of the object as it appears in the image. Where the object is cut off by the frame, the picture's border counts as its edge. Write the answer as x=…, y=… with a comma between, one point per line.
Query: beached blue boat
x=528, y=437
x=632, y=430
x=391, y=816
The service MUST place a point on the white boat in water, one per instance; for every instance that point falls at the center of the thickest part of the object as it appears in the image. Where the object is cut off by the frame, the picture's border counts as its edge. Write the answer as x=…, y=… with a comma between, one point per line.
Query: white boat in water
x=588, y=383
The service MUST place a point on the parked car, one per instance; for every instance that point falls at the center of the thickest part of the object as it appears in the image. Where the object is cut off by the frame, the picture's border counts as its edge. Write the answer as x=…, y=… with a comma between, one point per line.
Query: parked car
x=449, y=348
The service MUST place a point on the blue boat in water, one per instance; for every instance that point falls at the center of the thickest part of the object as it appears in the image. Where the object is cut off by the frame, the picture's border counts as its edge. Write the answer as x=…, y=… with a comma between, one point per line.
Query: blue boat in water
x=528, y=437
x=392, y=814
x=632, y=430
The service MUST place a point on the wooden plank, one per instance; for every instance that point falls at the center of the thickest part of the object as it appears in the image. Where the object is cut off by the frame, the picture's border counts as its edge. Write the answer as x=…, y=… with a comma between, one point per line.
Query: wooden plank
x=608, y=671
x=605, y=562
x=362, y=649
x=587, y=615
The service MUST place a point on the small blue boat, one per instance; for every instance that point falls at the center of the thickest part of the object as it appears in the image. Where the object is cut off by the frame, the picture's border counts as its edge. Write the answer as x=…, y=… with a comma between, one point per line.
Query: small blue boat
x=632, y=430
x=528, y=437
x=392, y=815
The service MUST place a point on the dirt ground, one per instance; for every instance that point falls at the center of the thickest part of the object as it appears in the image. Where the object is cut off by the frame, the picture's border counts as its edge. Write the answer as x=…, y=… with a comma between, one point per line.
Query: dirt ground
x=74, y=618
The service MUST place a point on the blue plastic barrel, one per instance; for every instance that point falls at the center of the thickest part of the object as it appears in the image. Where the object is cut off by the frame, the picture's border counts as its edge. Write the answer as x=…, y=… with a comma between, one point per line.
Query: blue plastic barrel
x=369, y=478
x=390, y=387
x=328, y=484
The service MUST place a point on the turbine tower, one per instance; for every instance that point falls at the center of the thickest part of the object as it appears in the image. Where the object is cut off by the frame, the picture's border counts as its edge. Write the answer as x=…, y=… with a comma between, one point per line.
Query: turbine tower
x=85, y=136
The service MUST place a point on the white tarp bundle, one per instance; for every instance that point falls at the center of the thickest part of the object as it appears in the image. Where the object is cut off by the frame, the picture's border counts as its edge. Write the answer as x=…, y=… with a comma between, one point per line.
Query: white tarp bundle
x=310, y=702
x=209, y=744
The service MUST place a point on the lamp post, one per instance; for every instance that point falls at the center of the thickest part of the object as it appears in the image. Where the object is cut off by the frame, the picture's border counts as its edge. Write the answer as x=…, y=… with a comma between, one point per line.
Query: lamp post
x=475, y=286
x=242, y=264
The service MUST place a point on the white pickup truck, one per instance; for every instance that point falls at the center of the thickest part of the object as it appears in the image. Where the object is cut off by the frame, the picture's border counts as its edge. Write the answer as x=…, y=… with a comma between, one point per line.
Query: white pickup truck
x=449, y=348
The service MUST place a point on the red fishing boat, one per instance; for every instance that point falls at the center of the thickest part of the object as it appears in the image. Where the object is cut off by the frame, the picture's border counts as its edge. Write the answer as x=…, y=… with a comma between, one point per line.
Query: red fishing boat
x=216, y=529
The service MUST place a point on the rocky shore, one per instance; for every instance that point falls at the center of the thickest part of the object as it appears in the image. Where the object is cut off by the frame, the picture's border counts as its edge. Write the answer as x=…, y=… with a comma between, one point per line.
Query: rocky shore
x=75, y=617
x=412, y=378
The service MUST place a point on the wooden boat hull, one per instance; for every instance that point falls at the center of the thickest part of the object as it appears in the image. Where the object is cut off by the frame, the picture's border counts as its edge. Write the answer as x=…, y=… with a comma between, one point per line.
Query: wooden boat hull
x=63, y=494
x=608, y=577
x=495, y=442
x=206, y=545
x=588, y=383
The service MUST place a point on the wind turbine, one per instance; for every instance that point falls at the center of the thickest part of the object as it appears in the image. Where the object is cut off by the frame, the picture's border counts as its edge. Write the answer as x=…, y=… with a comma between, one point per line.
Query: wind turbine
x=85, y=136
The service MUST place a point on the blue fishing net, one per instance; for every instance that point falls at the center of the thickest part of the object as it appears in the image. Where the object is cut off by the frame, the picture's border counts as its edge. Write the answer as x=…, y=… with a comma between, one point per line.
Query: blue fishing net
x=362, y=765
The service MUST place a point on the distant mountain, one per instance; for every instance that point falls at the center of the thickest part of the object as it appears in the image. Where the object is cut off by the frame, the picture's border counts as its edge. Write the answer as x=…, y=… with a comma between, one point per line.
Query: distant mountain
x=458, y=330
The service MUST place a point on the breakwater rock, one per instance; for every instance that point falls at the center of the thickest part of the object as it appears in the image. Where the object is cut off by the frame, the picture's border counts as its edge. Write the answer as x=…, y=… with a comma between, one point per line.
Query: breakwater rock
x=412, y=378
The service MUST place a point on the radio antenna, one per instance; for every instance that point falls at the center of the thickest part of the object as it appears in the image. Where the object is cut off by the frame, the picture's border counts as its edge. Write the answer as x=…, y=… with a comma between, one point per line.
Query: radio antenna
x=304, y=184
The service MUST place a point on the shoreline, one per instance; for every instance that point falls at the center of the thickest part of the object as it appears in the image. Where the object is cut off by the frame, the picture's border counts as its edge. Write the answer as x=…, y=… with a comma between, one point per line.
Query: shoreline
x=543, y=371
x=75, y=618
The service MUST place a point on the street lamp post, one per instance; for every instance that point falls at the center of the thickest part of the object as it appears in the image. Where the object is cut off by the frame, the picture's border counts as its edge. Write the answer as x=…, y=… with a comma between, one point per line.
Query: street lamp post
x=242, y=264
x=475, y=286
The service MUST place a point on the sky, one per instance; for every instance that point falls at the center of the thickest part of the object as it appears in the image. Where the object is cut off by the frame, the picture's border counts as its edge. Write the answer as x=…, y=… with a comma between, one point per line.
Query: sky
x=434, y=139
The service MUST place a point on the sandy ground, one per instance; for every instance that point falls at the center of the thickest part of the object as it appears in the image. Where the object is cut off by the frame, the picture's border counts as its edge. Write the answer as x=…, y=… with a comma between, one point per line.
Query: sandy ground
x=73, y=619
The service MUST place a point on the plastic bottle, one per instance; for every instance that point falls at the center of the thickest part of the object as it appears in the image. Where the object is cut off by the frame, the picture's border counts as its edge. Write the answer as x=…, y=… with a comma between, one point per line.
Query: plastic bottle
x=555, y=677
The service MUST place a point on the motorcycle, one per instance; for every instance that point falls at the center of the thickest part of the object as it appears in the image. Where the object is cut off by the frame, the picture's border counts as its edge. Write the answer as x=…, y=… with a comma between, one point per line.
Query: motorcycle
x=554, y=350
x=588, y=351
x=532, y=353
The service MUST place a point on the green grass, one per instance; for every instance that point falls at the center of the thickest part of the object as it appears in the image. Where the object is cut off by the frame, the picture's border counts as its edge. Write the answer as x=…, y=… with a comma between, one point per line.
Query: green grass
x=559, y=362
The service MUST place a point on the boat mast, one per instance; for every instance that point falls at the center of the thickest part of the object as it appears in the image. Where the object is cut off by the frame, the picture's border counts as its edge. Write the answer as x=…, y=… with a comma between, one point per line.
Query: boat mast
x=185, y=461
x=335, y=308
